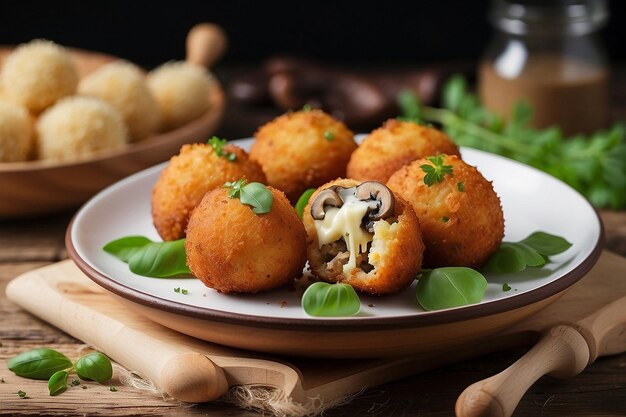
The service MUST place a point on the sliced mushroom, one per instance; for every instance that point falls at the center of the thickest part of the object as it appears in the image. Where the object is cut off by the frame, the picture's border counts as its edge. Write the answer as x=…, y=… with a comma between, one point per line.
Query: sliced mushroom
x=385, y=201
x=327, y=197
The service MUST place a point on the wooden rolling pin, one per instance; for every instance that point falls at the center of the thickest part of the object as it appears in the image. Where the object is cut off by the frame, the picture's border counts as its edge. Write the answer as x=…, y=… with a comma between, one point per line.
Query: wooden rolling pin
x=563, y=351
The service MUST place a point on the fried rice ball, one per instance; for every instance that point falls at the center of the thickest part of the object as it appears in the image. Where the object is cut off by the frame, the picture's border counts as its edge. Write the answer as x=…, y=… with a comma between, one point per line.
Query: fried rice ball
x=301, y=150
x=232, y=249
x=16, y=133
x=390, y=261
x=189, y=175
x=123, y=85
x=37, y=74
x=77, y=126
x=394, y=145
x=460, y=217
x=182, y=91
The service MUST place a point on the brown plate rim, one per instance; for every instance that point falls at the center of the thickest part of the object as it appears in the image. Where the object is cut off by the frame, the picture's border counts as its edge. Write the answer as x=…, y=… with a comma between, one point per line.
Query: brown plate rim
x=376, y=323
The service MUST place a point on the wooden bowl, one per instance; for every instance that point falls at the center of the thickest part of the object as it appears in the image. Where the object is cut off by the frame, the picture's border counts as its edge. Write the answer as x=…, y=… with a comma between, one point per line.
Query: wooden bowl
x=40, y=187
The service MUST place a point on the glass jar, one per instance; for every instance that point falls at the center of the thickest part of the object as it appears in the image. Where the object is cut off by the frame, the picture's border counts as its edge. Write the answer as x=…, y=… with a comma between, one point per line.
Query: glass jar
x=547, y=54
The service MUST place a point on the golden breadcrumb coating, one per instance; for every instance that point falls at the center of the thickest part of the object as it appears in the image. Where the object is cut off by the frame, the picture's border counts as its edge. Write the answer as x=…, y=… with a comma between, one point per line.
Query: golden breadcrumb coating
x=461, y=218
x=301, y=150
x=37, y=74
x=394, y=145
x=232, y=249
x=189, y=175
x=16, y=133
x=182, y=91
x=124, y=86
x=77, y=126
x=395, y=252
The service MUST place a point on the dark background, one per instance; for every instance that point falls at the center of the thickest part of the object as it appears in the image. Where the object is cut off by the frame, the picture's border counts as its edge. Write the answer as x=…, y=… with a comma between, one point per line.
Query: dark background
x=387, y=33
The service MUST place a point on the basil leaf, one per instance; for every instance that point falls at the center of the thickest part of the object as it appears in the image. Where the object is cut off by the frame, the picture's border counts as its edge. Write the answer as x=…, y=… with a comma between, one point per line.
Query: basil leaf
x=330, y=300
x=514, y=257
x=123, y=248
x=303, y=201
x=95, y=366
x=57, y=383
x=258, y=196
x=160, y=259
x=532, y=251
x=547, y=244
x=450, y=287
x=39, y=363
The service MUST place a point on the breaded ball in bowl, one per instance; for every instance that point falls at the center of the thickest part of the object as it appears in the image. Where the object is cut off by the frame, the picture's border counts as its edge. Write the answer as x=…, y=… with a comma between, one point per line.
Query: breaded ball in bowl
x=230, y=248
x=124, y=86
x=364, y=235
x=459, y=212
x=77, y=126
x=182, y=91
x=16, y=133
x=196, y=170
x=301, y=150
x=37, y=74
x=394, y=145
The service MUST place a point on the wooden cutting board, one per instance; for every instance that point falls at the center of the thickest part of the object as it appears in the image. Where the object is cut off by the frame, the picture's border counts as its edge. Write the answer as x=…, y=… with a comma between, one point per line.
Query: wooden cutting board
x=192, y=370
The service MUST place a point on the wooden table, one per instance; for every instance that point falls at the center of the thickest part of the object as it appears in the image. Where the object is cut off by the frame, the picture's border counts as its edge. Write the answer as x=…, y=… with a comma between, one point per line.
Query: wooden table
x=28, y=244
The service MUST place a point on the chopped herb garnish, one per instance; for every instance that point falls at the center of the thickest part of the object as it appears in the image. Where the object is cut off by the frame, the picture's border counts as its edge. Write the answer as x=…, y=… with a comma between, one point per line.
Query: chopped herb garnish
x=112, y=389
x=445, y=219
x=184, y=291
x=177, y=289
x=329, y=136
x=83, y=386
x=1, y=380
x=218, y=145
x=306, y=107
x=255, y=195
x=436, y=171
x=506, y=287
x=21, y=394
x=460, y=186
x=75, y=382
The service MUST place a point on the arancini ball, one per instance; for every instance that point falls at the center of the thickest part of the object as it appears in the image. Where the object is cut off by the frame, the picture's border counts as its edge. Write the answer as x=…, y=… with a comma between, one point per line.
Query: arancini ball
x=16, y=133
x=182, y=91
x=124, y=86
x=394, y=145
x=301, y=150
x=77, y=126
x=460, y=216
x=37, y=74
x=364, y=235
x=232, y=249
x=189, y=175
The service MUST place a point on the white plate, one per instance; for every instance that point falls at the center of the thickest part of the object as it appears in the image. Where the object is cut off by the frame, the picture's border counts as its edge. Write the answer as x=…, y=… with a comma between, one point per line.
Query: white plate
x=531, y=200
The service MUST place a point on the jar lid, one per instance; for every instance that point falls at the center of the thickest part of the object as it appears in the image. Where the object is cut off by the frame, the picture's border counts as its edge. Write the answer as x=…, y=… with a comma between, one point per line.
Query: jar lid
x=569, y=17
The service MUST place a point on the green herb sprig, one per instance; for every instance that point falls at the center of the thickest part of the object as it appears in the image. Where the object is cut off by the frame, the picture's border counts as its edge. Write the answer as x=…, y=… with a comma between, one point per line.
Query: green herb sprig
x=44, y=363
x=255, y=195
x=436, y=172
x=595, y=165
x=148, y=258
x=218, y=145
x=322, y=299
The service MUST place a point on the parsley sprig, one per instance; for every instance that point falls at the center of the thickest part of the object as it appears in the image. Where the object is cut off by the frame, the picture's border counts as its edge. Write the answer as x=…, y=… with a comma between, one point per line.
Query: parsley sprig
x=218, y=145
x=595, y=165
x=255, y=195
x=437, y=171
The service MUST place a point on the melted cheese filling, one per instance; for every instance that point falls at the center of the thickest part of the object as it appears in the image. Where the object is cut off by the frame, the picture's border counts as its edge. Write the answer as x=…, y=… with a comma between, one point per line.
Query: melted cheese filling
x=346, y=222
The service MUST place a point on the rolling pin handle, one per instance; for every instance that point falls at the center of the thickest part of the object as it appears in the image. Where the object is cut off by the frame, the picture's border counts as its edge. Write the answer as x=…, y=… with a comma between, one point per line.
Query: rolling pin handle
x=206, y=43
x=194, y=378
x=562, y=352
